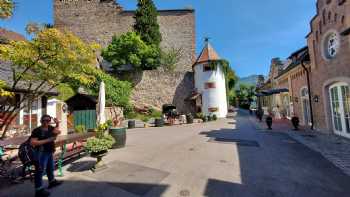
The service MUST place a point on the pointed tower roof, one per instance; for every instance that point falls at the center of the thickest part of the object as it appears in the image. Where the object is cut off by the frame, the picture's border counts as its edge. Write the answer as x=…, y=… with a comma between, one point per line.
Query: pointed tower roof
x=208, y=54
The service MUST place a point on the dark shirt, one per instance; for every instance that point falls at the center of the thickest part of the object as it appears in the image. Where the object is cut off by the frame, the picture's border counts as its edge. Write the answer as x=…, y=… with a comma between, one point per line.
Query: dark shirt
x=43, y=134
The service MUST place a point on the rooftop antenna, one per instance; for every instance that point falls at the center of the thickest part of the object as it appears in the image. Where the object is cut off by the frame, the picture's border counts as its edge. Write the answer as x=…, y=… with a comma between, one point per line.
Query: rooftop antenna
x=206, y=39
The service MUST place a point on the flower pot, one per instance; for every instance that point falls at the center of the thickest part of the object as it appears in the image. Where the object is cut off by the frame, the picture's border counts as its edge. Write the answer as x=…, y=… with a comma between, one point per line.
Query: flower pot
x=205, y=119
x=131, y=124
x=295, y=122
x=99, y=163
x=119, y=134
x=189, y=118
x=159, y=122
x=269, y=122
x=210, y=118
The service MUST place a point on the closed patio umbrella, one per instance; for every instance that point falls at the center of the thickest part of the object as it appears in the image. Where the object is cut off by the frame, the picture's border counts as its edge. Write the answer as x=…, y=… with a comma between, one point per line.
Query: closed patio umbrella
x=101, y=118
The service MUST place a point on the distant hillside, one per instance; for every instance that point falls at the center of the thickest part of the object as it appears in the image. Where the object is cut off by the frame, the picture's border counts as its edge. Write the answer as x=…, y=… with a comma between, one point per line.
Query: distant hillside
x=249, y=80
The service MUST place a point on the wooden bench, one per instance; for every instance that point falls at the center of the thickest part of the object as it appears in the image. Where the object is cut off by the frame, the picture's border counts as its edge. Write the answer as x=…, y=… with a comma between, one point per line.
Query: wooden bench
x=71, y=145
x=77, y=148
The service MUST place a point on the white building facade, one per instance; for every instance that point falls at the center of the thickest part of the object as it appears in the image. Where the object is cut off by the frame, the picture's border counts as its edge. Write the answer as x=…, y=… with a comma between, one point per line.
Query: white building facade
x=210, y=83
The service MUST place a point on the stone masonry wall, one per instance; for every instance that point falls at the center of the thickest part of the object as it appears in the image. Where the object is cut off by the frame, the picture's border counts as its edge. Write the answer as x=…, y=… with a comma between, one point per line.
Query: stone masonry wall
x=98, y=20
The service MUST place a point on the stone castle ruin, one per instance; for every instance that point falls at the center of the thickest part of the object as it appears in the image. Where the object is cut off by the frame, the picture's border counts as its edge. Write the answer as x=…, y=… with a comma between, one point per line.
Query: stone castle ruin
x=98, y=20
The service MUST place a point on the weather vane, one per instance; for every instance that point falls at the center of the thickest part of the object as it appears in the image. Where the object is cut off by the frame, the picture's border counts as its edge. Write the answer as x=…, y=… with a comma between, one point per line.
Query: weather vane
x=206, y=39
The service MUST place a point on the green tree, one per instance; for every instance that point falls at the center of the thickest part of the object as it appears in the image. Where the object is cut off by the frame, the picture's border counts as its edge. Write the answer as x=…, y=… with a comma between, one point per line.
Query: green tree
x=6, y=9
x=170, y=58
x=40, y=65
x=117, y=92
x=146, y=23
x=129, y=49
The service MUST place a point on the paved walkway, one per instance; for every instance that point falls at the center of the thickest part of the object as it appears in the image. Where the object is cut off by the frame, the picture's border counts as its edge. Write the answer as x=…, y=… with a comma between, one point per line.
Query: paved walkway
x=334, y=148
x=229, y=157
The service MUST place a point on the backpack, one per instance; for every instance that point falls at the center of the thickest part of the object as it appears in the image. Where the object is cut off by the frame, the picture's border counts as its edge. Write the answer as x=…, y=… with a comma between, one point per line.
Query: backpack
x=26, y=153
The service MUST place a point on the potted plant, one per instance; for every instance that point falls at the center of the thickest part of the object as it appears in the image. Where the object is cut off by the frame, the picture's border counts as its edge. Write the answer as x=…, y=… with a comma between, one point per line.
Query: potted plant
x=189, y=118
x=99, y=145
x=159, y=122
x=295, y=122
x=117, y=132
x=209, y=118
x=269, y=122
x=215, y=118
x=131, y=124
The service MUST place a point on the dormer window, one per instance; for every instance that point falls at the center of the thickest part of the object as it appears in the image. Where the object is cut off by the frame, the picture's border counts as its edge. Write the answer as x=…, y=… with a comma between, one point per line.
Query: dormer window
x=207, y=68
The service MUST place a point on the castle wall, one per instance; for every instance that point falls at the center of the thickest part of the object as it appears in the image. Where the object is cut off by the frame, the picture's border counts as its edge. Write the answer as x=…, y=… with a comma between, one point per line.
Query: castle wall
x=97, y=21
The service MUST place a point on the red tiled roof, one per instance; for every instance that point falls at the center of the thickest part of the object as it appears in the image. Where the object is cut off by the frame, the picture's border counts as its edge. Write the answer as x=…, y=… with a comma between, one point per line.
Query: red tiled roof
x=11, y=35
x=208, y=54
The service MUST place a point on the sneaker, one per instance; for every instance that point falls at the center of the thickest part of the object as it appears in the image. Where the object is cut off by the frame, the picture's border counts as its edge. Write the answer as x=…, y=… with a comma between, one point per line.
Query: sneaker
x=54, y=183
x=42, y=193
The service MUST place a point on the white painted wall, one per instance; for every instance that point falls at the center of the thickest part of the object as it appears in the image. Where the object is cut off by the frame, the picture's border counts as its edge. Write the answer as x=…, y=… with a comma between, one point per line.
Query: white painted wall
x=51, y=107
x=213, y=97
x=55, y=110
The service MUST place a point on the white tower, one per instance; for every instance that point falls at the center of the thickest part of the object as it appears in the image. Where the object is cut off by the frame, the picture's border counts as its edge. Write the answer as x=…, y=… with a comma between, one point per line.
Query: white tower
x=210, y=83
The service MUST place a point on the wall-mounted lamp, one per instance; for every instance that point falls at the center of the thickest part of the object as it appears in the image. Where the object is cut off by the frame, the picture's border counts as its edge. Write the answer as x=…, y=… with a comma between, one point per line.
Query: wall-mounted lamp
x=316, y=98
x=296, y=99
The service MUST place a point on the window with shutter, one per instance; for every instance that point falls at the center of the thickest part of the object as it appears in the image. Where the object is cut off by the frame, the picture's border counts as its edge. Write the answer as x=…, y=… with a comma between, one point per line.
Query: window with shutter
x=210, y=85
x=213, y=109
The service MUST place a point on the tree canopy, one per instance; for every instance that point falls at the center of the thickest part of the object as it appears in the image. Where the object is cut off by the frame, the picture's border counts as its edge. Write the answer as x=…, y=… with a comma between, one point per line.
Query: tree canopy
x=6, y=8
x=40, y=65
x=146, y=23
x=130, y=49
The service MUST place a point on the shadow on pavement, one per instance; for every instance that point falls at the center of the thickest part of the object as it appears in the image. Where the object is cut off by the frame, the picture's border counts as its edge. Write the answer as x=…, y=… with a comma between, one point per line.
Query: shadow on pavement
x=280, y=167
x=87, y=188
x=81, y=166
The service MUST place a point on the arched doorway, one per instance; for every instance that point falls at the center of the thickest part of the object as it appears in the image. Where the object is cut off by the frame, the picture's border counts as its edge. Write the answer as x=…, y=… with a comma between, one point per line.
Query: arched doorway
x=340, y=105
x=305, y=104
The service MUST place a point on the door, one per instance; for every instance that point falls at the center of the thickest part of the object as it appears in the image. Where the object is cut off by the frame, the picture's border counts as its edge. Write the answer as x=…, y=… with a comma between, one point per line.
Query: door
x=306, y=111
x=306, y=106
x=86, y=118
x=287, y=106
x=340, y=104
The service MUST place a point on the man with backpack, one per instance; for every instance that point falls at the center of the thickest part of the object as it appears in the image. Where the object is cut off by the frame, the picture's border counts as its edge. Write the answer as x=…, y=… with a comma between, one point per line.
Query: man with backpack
x=43, y=140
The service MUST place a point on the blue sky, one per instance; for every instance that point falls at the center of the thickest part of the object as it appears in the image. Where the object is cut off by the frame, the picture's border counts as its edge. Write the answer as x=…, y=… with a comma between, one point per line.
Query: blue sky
x=247, y=33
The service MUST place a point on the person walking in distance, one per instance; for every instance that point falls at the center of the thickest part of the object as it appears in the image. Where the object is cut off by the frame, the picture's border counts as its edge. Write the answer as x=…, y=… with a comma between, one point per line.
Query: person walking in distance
x=43, y=140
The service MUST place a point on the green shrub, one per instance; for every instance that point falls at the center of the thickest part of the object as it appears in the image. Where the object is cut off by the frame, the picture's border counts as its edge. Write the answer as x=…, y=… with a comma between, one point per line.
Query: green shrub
x=200, y=115
x=102, y=141
x=130, y=49
x=156, y=113
x=215, y=117
x=95, y=145
x=80, y=129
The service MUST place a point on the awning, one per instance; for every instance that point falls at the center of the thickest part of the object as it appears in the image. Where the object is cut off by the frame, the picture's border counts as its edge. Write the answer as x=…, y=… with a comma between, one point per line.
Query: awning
x=168, y=107
x=272, y=91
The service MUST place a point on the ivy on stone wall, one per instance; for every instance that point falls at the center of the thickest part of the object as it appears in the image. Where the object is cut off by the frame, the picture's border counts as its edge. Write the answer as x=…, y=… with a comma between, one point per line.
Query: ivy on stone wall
x=230, y=76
